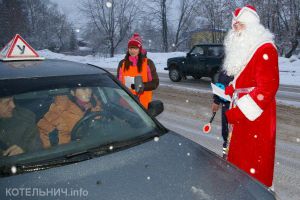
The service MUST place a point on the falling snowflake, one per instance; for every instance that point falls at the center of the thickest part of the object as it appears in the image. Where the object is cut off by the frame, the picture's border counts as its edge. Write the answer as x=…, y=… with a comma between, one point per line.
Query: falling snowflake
x=298, y=139
x=188, y=154
x=218, y=138
x=252, y=171
x=277, y=163
x=148, y=178
x=266, y=57
x=187, y=100
x=255, y=136
x=79, y=84
x=108, y=4
x=260, y=97
x=13, y=169
x=41, y=105
x=179, y=144
x=156, y=139
x=111, y=148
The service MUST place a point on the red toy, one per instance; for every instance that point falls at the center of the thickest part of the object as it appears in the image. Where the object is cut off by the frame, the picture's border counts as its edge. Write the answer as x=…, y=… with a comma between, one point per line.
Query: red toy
x=207, y=127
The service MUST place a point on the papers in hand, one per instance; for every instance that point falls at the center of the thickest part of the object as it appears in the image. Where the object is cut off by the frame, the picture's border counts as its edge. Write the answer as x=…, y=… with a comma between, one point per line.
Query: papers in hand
x=220, y=92
x=128, y=81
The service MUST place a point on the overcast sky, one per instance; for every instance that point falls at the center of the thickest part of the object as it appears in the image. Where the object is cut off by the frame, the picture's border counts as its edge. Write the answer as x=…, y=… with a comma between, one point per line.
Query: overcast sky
x=70, y=8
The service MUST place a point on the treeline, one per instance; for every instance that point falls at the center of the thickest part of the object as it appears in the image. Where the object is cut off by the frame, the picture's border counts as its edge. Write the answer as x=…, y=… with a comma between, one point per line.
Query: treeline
x=39, y=22
x=165, y=25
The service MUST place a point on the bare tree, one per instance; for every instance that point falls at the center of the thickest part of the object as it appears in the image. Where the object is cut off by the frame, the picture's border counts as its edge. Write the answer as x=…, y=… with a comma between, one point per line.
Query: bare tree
x=282, y=17
x=164, y=22
x=186, y=16
x=112, y=19
x=12, y=20
x=216, y=12
x=150, y=33
x=38, y=21
x=158, y=10
x=289, y=14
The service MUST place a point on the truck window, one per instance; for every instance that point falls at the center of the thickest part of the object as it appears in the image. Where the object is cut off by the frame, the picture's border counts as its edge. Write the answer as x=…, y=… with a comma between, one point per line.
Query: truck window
x=215, y=51
x=198, y=50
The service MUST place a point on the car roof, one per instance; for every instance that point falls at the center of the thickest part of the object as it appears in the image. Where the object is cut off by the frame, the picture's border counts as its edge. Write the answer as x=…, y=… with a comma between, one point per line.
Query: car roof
x=46, y=68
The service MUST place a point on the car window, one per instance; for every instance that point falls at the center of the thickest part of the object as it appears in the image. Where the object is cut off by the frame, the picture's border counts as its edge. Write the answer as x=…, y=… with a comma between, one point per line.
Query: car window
x=197, y=51
x=50, y=123
x=215, y=51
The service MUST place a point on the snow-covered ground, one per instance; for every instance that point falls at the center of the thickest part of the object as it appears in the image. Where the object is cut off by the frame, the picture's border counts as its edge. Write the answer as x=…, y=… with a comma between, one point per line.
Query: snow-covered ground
x=289, y=68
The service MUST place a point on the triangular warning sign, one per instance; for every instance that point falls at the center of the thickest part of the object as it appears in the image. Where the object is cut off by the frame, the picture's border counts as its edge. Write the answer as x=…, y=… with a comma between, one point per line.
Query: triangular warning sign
x=18, y=49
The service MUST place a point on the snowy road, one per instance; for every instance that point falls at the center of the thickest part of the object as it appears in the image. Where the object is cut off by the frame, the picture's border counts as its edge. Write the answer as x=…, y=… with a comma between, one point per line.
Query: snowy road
x=287, y=94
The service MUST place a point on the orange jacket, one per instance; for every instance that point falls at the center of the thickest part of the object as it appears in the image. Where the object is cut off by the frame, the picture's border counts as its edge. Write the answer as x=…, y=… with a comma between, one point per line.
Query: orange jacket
x=146, y=96
x=63, y=114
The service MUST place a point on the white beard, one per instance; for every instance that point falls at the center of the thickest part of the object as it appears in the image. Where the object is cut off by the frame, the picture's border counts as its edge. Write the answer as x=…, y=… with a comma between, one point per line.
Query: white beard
x=240, y=47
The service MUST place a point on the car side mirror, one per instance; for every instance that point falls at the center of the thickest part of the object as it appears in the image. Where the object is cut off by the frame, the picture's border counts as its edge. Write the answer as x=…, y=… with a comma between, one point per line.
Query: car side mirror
x=188, y=54
x=155, y=108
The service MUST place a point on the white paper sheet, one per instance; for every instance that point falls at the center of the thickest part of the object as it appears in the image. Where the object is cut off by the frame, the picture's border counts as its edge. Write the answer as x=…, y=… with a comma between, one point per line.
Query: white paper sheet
x=128, y=81
x=220, y=92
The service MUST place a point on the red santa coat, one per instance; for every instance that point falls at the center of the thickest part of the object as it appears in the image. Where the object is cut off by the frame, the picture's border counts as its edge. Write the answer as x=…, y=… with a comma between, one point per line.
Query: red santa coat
x=252, y=145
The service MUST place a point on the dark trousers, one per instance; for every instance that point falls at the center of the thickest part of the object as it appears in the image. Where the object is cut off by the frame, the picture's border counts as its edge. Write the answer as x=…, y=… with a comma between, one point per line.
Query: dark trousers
x=225, y=107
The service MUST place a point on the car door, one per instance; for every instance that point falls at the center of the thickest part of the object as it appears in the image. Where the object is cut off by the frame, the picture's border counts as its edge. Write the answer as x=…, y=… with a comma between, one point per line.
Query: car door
x=195, y=61
x=214, y=58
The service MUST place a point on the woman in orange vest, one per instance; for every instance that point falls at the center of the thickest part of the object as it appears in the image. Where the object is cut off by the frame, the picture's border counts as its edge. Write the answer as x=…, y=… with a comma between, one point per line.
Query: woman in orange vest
x=135, y=64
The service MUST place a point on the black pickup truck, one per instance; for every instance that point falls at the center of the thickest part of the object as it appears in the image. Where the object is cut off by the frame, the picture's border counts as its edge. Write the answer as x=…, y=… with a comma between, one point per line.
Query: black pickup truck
x=203, y=60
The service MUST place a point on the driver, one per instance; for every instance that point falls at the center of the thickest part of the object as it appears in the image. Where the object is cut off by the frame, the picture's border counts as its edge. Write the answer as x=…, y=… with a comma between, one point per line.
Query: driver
x=64, y=113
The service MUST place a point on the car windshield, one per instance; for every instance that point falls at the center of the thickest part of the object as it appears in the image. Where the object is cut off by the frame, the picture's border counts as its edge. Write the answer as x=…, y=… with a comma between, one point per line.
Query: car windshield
x=47, y=124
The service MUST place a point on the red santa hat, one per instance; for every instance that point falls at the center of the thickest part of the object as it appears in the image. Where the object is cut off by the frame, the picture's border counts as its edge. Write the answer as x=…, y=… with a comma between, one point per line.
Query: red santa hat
x=135, y=41
x=245, y=15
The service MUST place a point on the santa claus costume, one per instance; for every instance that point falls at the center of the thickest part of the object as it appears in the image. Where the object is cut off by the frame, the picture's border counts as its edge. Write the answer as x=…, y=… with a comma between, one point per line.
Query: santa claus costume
x=251, y=57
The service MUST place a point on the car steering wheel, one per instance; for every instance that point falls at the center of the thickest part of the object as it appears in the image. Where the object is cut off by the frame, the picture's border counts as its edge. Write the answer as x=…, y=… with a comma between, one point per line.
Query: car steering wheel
x=104, y=116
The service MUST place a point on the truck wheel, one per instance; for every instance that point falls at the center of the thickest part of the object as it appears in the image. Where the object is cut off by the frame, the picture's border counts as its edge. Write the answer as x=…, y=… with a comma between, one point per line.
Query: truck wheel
x=196, y=77
x=175, y=75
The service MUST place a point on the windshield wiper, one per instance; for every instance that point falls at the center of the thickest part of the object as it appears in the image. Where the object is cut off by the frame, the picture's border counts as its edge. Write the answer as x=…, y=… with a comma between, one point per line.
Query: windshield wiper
x=8, y=170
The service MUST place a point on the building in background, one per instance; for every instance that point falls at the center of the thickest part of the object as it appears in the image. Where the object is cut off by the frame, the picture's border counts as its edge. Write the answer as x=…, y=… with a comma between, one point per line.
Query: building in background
x=205, y=35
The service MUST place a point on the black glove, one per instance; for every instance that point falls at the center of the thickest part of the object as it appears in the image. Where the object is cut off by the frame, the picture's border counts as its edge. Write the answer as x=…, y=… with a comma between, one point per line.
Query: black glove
x=141, y=89
x=132, y=86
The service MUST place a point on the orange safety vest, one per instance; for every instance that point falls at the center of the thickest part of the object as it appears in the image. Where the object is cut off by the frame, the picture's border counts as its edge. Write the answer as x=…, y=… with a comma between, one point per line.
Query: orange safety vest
x=146, y=96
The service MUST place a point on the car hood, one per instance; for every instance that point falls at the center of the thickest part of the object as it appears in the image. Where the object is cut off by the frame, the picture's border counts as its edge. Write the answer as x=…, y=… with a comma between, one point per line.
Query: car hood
x=169, y=167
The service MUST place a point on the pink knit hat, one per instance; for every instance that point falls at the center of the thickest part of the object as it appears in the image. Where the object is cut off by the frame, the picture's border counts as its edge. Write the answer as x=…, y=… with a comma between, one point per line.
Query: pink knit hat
x=135, y=41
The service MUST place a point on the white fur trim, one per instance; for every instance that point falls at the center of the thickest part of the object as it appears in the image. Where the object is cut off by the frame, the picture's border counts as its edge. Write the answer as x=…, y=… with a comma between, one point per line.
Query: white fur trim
x=249, y=107
x=247, y=15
